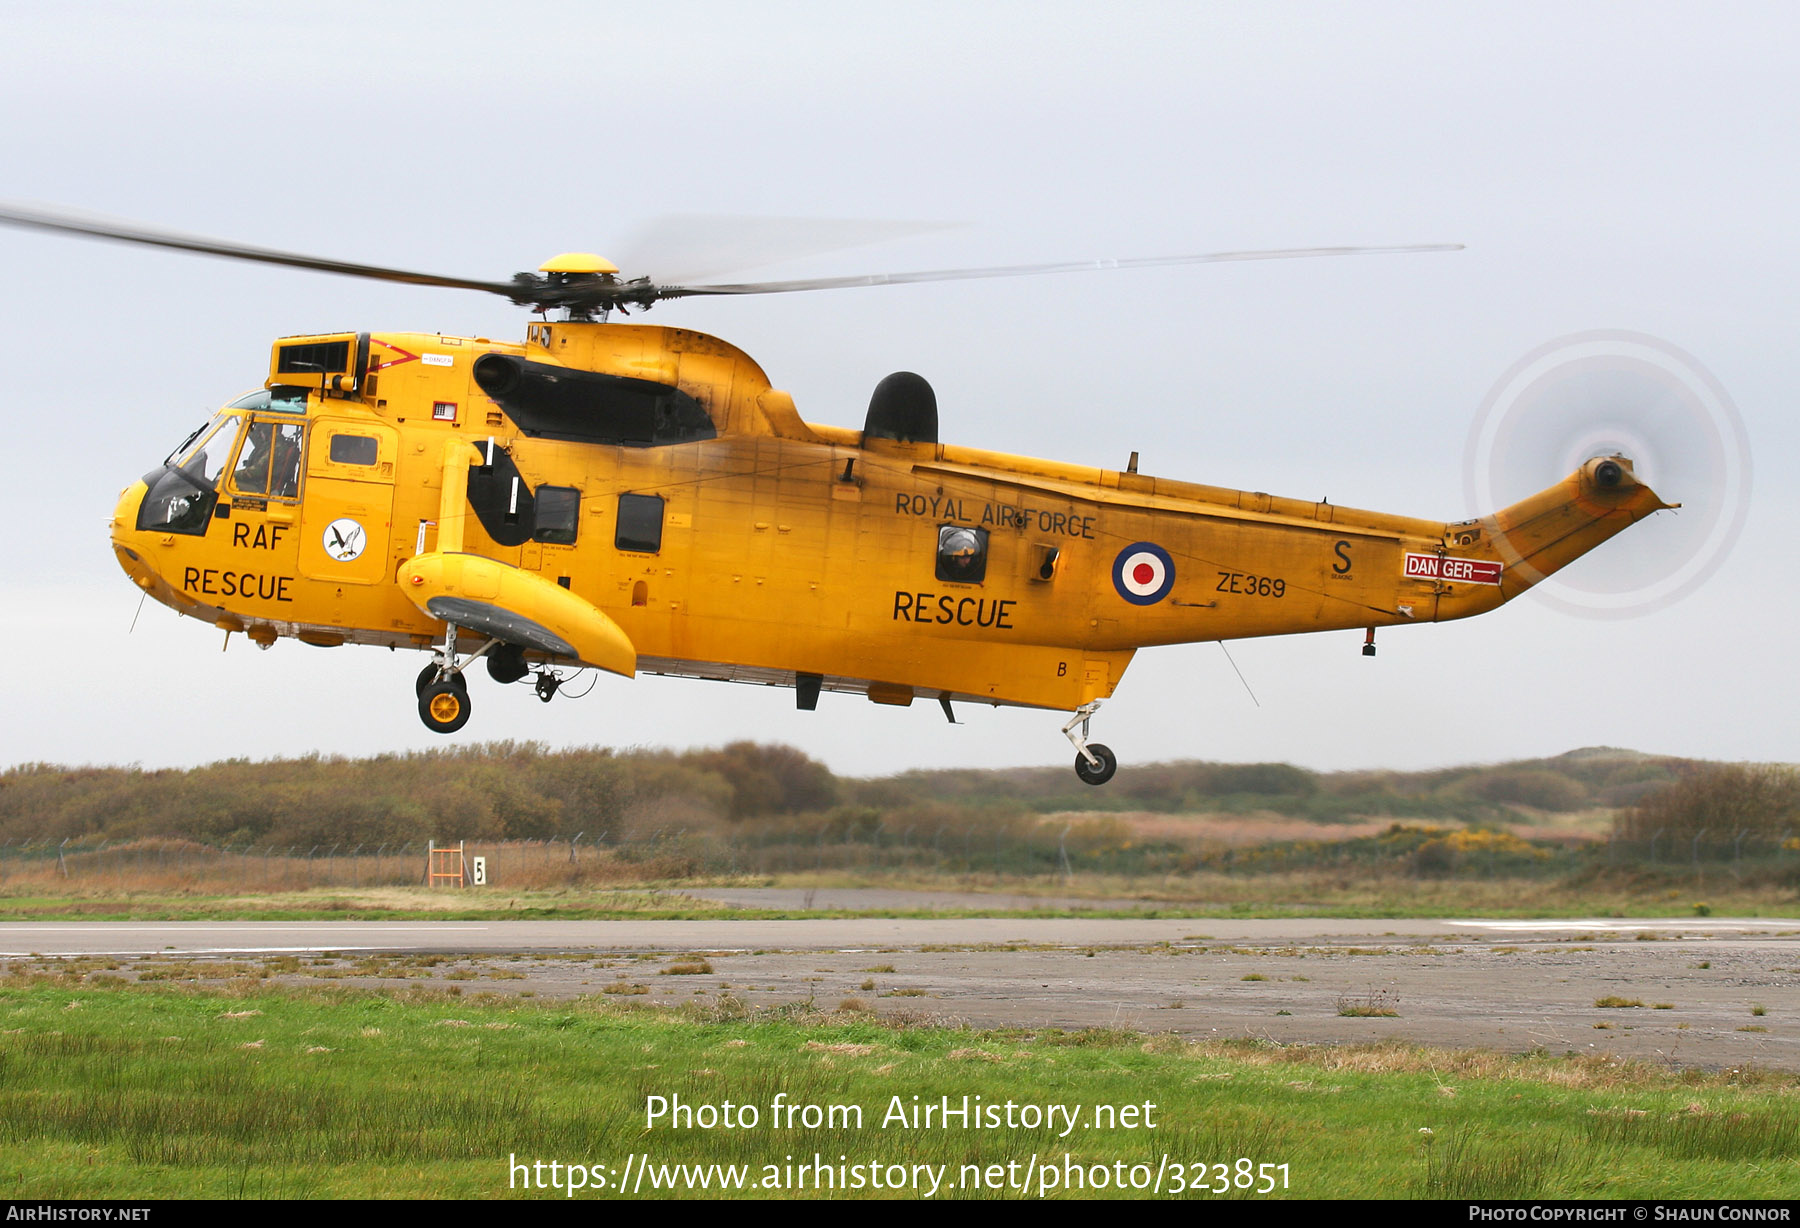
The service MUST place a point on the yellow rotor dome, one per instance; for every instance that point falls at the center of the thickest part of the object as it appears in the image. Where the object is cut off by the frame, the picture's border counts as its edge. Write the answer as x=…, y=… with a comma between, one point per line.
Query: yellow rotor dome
x=578, y=262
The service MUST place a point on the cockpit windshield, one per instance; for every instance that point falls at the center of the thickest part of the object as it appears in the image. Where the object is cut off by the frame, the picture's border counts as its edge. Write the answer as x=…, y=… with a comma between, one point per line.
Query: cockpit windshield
x=185, y=488
x=204, y=453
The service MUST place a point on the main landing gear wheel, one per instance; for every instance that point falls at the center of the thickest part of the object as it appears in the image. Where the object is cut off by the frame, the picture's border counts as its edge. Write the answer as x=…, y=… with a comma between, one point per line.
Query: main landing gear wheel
x=1096, y=775
x=429, y=675
x=444, y=707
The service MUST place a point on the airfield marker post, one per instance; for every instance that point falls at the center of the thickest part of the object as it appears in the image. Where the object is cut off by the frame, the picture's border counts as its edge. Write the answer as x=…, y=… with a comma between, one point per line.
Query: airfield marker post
x=439, y=862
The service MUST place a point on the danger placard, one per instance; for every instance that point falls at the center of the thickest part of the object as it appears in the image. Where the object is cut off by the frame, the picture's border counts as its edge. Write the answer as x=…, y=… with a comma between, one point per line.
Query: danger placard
x=1460, y=571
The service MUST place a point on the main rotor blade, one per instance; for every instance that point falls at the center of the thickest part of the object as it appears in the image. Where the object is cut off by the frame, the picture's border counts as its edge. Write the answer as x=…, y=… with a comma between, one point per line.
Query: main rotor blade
x=699, y=247
x=1032, y=270
x=584, y=294
x=130, y=232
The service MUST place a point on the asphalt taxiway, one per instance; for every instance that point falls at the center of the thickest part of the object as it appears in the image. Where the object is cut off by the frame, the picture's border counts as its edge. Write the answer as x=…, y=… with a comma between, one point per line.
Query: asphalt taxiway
x=1712, y=992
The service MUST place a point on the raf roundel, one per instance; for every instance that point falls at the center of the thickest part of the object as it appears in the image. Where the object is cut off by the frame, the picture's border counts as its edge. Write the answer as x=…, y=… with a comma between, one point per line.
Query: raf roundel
x=1143, y=573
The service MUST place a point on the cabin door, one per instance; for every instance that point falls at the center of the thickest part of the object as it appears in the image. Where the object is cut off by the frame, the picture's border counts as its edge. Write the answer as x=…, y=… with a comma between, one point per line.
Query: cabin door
x=346, y=523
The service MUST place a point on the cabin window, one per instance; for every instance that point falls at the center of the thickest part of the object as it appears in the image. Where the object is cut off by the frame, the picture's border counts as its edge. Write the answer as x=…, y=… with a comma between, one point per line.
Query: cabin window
x=354, y=450
x=962, y=554
x=558, y=514
x=640, y=523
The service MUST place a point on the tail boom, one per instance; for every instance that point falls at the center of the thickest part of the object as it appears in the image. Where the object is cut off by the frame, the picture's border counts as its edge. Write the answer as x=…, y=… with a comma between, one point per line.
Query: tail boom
x=1538, y=536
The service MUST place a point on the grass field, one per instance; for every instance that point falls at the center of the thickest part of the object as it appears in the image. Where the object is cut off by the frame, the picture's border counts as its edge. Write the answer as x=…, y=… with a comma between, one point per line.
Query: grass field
x=116, y=1091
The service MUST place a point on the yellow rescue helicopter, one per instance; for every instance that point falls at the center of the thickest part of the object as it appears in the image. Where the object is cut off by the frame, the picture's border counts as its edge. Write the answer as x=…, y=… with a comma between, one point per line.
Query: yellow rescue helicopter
x=641, y=499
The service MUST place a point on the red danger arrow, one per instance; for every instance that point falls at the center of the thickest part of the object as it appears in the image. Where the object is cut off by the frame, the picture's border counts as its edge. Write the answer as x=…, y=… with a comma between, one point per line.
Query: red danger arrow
x=1461, y=571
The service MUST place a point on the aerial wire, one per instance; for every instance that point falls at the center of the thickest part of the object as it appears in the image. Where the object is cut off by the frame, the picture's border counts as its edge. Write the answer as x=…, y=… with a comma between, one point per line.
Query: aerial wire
x=1238, y=672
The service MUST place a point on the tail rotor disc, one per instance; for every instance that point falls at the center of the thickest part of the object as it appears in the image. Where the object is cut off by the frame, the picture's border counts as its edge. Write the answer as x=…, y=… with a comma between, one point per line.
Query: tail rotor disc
x=1612, y=392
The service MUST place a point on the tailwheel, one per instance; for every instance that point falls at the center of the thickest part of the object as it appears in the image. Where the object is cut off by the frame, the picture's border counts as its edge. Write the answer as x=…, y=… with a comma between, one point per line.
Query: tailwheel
x=1094, y=763
x=444, y=706
x=1096, y=775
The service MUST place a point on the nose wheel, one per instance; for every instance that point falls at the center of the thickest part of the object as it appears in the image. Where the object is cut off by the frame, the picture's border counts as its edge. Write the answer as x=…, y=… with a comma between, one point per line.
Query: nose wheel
x=1094, y=763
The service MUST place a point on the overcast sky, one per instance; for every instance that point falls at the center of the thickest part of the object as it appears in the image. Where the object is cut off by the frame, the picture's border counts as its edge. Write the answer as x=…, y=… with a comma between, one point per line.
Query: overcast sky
x=1619, y=167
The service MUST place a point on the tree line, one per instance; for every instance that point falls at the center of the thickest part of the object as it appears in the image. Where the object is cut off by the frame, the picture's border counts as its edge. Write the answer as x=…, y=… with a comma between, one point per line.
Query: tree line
x=526, y=791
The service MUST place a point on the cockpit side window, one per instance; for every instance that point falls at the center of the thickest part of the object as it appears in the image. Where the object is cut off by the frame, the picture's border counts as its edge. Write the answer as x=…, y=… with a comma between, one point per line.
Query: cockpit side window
x=269, y=460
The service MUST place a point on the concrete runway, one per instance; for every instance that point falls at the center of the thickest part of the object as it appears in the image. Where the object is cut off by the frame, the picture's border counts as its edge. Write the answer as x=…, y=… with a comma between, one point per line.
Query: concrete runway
x=1508, y=985
x=518, y=937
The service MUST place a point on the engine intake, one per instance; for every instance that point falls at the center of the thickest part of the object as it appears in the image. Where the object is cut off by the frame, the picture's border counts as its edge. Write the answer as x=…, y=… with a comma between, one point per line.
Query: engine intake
x=904, y=409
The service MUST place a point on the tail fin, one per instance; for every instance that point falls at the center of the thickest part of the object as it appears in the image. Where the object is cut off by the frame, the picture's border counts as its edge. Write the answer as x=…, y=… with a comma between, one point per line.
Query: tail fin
x=1539, y=536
